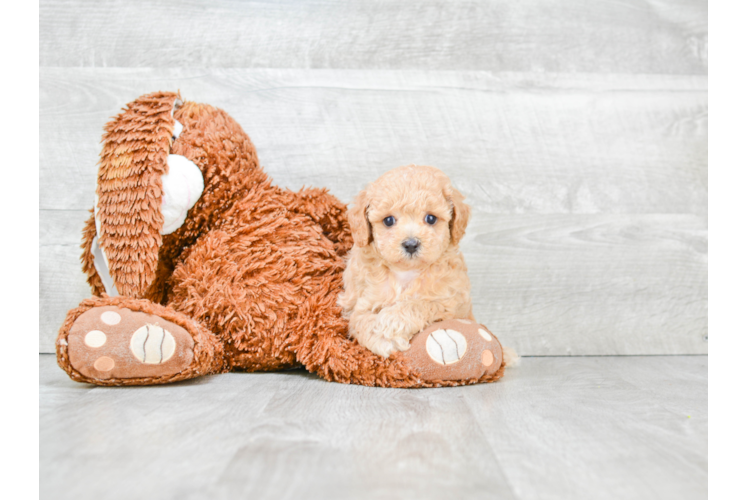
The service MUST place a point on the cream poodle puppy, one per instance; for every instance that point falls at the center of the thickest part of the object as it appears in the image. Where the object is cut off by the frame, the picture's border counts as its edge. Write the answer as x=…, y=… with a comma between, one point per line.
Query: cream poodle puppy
x=405, y=270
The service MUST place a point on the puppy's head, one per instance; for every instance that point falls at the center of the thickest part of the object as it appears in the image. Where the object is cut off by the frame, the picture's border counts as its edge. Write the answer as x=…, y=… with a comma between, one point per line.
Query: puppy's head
x=410, y=215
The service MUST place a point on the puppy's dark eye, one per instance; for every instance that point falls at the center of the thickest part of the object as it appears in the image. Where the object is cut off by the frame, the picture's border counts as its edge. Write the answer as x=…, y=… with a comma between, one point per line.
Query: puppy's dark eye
x=431, y=219
x=389, y=221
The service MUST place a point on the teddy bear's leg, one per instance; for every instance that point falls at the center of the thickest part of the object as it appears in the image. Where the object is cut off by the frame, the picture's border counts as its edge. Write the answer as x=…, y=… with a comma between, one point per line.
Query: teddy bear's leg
x=322, y=345
x=472, y=354
x=125, y=341
x=237, y=284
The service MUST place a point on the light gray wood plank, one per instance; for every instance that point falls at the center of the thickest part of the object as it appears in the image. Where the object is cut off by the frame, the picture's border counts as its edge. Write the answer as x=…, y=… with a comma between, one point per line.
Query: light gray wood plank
x=600, y=427
x=62, y=284
x=589, y=192
x=619, y=428
x=635, y=36
x=513, y=143
x=591, y=284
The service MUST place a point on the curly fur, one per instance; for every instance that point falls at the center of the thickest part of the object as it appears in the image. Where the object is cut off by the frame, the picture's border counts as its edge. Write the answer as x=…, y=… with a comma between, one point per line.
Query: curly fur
x=390, y=295
x=254, y=272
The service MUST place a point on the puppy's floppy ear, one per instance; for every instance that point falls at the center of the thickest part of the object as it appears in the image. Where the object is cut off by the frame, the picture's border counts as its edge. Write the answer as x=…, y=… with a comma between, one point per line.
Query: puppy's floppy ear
x=460, y=213
x=360, y=227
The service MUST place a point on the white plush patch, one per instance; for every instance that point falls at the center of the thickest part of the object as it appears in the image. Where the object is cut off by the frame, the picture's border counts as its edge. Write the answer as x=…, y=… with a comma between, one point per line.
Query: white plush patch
x=182, y=187
x=102, y=268
x=152, y=344
x=465, y=321
x=178, y=127
x=446, y=346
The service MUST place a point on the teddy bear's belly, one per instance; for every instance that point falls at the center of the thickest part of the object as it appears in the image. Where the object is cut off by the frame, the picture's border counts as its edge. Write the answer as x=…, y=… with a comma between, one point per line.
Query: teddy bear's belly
x=256, y=284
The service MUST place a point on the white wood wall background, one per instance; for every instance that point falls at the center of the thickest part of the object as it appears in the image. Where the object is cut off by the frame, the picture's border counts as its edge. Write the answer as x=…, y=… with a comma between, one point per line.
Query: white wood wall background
x=577, y=130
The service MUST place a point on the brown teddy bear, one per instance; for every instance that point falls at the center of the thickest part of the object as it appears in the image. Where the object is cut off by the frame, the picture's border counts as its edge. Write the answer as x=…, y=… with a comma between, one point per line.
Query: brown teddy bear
x=199, y=265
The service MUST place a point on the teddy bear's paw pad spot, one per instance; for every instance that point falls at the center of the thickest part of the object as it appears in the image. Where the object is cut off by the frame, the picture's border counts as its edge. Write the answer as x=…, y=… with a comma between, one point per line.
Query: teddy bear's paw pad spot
x=486, y=336
x=446, y=346
x=104, y=364
x=110, y=343
x=110, y=317
x=486, y=358
x=152, y=344
x=95, y=338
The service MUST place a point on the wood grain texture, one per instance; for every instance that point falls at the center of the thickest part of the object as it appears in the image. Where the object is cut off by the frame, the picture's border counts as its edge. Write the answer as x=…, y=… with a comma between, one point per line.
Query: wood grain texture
x=589, y=191
x=634, y=36
x=512, y=143
x=62, y=284
x=582, y=428
x=591, y=284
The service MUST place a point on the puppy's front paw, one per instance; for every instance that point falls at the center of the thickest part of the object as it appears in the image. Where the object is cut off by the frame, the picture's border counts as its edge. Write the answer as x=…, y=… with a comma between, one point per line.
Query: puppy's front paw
x=400, y=344
x=392, y=326
x=385, y=347
x=392, y=333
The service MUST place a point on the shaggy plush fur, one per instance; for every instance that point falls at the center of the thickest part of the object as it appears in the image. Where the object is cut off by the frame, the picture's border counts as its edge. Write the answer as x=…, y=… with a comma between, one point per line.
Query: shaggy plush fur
x=392, y=293
x=254, y=273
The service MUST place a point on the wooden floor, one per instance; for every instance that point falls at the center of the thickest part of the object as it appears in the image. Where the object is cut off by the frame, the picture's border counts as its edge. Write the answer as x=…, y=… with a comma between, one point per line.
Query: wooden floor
x=576, y=428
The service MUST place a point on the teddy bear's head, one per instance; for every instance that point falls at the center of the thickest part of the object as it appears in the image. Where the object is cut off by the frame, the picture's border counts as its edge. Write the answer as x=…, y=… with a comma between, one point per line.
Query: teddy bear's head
x=168, y=169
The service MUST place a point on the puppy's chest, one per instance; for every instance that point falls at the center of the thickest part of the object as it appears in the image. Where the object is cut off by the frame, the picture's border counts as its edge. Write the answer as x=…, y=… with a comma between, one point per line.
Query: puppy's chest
x=402, y=282
x=405, y=278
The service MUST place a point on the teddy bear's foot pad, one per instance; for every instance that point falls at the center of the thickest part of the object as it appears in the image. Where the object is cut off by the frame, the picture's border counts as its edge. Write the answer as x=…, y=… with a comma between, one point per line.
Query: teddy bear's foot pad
x=111, y=342
x=456, y=350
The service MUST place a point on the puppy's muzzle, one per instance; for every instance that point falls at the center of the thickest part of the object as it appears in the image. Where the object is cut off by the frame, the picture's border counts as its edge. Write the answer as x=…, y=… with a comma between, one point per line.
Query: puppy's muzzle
x=411, y=245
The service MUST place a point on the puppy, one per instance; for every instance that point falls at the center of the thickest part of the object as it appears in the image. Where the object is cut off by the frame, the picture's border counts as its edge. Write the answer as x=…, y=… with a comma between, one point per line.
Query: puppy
x=405, y=270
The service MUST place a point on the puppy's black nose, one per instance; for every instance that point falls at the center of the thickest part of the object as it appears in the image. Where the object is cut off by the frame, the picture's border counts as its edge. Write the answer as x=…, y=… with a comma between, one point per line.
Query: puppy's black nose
x=411, y=245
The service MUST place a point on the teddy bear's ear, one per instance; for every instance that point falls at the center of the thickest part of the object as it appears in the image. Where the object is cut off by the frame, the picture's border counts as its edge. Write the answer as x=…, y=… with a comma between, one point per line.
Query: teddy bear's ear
x=128, y=217
x=360, y=226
